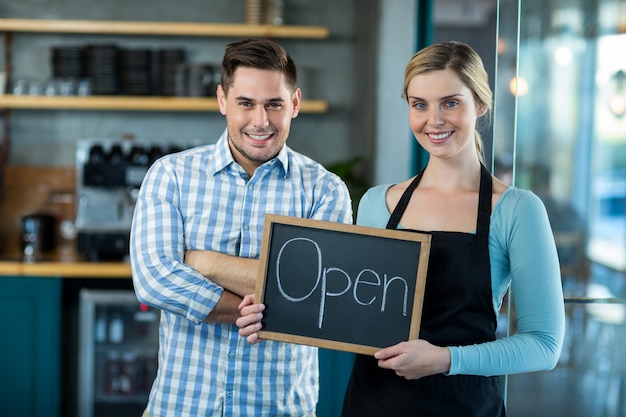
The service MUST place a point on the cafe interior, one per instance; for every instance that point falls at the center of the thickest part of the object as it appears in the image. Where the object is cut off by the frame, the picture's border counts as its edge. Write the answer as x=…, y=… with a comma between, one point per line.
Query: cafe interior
x=558, y=128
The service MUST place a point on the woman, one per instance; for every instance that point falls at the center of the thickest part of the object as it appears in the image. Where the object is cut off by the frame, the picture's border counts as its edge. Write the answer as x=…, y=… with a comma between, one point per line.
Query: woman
x=485, y=237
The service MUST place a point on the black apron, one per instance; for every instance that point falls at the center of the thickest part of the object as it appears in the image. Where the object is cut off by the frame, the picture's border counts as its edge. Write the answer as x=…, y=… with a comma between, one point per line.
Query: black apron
x=457, y=311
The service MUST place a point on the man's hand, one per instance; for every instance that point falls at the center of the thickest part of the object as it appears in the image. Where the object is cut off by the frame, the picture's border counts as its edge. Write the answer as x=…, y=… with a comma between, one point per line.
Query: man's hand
x=250, y=321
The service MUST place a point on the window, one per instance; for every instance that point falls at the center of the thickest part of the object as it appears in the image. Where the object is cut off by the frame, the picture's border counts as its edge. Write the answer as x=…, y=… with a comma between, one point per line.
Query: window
x=560, y=130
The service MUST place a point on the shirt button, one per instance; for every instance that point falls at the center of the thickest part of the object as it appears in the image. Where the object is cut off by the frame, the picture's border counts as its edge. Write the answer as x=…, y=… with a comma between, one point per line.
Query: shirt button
x=246, y=227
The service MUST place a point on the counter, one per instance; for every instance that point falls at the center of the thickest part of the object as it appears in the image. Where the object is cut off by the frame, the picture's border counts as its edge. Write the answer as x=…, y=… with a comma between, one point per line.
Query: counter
x=57, y=266
x=28, y=190
x=65, y=269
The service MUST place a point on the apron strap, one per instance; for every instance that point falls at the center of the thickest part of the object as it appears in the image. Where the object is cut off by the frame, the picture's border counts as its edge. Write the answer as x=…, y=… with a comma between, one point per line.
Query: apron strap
x=397, y=213
x=484, y=201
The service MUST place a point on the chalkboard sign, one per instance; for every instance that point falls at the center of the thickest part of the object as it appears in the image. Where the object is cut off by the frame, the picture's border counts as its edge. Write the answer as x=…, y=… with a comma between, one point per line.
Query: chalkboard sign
x=339, y=286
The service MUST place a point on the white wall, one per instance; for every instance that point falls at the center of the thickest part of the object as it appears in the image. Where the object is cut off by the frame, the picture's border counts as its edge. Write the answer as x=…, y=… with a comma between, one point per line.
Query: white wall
x=394, y=140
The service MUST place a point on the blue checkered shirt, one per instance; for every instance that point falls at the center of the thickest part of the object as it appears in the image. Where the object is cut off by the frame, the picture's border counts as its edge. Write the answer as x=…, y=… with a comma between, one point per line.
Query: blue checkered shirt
x=202, y=199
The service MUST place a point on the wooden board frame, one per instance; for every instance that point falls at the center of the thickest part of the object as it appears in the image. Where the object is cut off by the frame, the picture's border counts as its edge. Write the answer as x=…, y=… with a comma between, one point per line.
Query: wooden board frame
x=344, y=231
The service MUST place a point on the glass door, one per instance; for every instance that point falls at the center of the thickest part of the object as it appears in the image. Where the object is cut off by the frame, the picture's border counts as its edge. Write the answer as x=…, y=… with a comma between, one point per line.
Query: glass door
x=560, y=130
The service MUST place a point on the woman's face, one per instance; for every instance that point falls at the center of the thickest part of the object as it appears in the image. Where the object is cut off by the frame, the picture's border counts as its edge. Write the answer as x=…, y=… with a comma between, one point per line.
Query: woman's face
x=443, y=114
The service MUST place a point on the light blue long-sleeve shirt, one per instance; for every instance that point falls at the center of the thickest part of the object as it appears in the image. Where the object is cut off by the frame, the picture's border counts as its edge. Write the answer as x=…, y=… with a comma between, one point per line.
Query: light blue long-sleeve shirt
x=523, y=255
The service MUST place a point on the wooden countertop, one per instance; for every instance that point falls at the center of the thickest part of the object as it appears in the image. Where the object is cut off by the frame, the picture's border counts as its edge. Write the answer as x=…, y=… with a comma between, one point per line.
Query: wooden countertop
x=62, y=266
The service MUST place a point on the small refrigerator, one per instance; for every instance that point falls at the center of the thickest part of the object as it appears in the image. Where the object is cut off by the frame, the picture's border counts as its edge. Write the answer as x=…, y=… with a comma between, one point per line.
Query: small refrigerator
x=117, y=353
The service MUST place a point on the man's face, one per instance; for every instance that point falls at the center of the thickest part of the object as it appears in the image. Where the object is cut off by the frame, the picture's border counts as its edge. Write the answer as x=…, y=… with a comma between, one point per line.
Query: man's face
x=258, y=109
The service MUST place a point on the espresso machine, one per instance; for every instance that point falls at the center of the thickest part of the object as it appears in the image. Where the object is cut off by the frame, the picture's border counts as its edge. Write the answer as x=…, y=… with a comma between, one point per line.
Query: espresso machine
x=109, y=174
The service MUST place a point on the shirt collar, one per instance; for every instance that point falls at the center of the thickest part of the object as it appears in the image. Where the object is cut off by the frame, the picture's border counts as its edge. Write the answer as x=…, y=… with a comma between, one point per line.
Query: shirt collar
x=223, y=156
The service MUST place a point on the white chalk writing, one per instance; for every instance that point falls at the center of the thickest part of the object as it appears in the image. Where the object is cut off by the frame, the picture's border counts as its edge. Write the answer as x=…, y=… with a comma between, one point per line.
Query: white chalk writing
x=365, y=278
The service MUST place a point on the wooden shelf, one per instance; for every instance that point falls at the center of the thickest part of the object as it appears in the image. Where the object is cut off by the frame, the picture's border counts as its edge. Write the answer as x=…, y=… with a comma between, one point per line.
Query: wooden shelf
x=130, y=103
x=163, y=28
x=127, y=103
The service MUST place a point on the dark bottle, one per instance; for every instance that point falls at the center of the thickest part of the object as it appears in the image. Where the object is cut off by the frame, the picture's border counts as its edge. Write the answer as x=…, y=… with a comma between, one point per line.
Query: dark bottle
x=129, y=373
x=113, y=372
x=148, y=370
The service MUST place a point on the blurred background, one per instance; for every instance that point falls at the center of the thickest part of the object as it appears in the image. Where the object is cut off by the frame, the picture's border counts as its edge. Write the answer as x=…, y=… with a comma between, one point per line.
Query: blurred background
x=557, y=67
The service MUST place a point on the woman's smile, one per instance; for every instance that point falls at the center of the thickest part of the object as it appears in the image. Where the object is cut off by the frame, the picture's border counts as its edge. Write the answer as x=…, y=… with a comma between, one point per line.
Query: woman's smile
x=439, y=136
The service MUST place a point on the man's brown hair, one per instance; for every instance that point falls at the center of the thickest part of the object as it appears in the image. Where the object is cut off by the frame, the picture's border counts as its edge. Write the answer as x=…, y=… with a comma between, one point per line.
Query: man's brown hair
x=262, y=54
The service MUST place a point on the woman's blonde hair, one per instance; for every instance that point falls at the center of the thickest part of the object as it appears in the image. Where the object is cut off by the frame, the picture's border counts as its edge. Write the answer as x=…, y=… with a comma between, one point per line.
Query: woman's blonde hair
x=466, y=63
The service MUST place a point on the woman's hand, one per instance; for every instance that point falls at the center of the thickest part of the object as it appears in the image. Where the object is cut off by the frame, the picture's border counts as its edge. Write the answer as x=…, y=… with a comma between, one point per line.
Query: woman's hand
x=250, y=321
x=414, y=359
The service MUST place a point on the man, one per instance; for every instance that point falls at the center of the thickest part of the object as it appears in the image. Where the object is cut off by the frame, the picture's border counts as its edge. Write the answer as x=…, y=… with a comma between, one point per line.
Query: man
x=195, y=243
